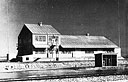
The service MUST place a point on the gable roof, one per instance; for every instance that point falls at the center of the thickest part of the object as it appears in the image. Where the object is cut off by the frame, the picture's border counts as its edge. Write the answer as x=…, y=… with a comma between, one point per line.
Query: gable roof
x=70, y=41
x=44, y=29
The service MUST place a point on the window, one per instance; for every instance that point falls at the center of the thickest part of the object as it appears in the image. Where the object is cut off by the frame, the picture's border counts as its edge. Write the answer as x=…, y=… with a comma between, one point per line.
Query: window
x=27, y=58
x=40, y=52
x=89, y=51
x=36, y=38
x=66, y=52
x=51, y=38
x=110, y=60
x=110, y=51
x=40, y=38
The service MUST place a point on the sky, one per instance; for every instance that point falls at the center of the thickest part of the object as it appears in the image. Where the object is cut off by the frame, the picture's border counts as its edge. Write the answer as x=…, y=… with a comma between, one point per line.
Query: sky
x=74, y=17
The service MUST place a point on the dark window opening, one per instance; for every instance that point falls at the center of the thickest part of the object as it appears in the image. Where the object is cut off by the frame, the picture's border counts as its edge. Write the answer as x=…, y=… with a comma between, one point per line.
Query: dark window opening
x=40, y=51
x=27, y=58
x=89, y=51
x=72, y=54
x=53, y=39
x=110, y=60
x=47, y=55
x=105, y=60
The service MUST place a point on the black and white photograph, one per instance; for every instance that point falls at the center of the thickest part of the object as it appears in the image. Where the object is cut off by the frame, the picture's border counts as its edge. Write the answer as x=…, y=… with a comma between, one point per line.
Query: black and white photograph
x=63, y=40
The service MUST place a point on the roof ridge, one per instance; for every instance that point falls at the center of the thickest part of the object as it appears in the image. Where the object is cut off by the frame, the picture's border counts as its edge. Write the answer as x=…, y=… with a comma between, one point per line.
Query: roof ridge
x=82, y=35
x=37, y=24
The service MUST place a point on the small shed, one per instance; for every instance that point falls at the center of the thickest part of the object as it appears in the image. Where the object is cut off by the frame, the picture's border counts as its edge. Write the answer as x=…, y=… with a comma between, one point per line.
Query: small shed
x=105, y=59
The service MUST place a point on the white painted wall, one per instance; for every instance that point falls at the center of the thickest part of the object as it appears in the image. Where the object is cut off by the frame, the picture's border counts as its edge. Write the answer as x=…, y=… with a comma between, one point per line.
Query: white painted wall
x=89, y=55
x=76, y=54
x=33, y=57
x=79, y=53
x=40, y=55
x=67, y=59
x=118, y=51
x=65, y=55
x=30, y=58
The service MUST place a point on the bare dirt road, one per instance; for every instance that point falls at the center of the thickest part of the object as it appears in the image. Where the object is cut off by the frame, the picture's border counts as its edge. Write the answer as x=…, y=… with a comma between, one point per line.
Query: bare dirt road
x=61, y=74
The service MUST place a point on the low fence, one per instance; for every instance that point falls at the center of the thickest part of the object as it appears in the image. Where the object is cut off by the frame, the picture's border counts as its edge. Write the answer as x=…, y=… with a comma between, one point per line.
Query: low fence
x=18, y=66
x=3, y=58
x=5, y=66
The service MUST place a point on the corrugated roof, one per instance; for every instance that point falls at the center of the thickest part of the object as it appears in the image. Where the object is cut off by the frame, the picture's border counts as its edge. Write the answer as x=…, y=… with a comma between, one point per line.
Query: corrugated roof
x=70, y=41
x=44, y=29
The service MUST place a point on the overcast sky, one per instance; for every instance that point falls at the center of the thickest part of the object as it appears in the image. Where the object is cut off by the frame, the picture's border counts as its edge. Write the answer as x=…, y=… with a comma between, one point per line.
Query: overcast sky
x=77, y=17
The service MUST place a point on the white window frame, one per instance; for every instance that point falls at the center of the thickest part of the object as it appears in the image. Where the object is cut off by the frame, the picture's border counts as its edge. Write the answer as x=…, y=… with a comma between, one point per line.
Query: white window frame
x=40, y=38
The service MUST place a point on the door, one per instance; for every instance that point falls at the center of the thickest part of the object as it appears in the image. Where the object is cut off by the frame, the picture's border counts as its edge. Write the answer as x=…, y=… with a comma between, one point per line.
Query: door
x=114, y=60
x=98, y=60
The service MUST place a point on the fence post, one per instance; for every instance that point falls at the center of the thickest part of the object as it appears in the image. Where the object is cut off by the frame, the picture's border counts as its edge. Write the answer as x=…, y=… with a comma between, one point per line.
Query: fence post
x=7, y=57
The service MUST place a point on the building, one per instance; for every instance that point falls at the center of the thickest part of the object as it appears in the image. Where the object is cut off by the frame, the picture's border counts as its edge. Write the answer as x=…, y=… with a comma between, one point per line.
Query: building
x=39, y=42
x=4, y=58
x=34, y=41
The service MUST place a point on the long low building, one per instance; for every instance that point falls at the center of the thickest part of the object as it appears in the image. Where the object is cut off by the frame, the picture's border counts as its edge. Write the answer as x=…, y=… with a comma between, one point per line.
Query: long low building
x=39, y=42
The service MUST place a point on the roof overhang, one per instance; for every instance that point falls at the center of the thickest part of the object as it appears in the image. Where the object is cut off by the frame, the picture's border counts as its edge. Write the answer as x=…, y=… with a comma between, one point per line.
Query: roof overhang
x=40, y=46
x=87, y=46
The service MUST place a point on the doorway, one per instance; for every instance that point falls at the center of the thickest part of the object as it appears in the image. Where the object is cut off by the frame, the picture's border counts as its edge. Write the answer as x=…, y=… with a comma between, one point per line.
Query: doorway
x=105, y=59
x=98, y=60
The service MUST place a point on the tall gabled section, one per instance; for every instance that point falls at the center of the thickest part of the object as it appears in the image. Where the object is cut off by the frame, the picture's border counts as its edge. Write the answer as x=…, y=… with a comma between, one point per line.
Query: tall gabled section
x=25, y=42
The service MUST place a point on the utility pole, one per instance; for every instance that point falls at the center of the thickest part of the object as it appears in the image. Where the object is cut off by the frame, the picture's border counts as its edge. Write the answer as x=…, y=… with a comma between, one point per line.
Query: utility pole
x=7, y=31
x=119, y=22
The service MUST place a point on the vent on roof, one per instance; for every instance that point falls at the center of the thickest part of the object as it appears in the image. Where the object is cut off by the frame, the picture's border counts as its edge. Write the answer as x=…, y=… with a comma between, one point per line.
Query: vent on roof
x=87, y=34
x=40, y=24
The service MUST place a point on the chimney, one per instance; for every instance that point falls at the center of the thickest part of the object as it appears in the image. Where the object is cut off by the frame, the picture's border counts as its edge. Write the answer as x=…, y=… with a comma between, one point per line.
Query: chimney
x=40, y=24
x=87, y=34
